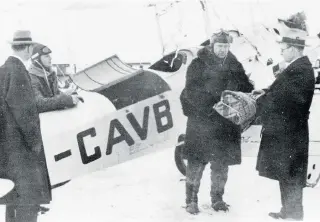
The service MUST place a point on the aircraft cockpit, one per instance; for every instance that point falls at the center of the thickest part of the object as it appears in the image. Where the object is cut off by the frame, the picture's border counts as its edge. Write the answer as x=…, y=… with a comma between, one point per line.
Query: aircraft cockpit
x=170, y=63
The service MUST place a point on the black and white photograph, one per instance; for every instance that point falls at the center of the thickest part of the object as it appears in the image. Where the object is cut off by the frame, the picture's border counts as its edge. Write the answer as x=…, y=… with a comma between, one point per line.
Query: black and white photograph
x=159, y=110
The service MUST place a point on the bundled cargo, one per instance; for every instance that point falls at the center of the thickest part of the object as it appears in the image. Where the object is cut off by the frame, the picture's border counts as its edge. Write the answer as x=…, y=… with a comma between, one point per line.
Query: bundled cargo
x=238, y=107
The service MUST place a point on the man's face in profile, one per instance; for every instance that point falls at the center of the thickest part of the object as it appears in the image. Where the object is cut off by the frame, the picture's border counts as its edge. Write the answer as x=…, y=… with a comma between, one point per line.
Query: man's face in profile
x=287, y=52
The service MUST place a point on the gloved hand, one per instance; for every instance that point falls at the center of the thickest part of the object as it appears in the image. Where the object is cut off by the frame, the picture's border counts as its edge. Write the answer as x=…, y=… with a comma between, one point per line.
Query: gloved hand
x=76, y=98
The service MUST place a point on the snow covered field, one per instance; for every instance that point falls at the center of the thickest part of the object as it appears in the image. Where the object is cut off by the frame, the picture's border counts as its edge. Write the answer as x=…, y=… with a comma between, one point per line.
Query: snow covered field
x=151, y=189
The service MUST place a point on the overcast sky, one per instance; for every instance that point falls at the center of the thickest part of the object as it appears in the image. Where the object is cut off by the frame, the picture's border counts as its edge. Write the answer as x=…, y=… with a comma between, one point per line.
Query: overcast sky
x=85, y=32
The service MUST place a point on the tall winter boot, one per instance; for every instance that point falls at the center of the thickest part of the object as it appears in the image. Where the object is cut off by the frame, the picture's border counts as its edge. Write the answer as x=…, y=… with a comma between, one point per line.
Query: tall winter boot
x=219, y=176
x=194, y=175
x=192, y=199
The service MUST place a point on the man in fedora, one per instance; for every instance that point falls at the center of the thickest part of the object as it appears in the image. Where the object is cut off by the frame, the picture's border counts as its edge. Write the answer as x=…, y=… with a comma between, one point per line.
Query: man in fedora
x=22, y=154
x=284, y=110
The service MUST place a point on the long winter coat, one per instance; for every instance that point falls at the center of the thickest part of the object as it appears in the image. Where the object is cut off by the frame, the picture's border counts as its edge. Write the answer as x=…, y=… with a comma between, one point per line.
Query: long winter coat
x=209, y=136
x=283, y=153
x=48, y=96
x=19, y=135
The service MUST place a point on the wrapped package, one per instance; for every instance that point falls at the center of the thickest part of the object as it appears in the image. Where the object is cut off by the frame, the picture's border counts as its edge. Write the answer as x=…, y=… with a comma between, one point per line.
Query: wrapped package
x=238, y=107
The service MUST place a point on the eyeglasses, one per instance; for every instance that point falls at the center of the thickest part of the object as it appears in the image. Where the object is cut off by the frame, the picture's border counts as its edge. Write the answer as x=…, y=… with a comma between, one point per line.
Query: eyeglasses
x=285, y=48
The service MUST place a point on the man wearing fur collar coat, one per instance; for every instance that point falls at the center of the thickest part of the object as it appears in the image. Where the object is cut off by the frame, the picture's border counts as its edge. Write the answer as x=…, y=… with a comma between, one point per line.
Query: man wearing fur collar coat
x=209, y=136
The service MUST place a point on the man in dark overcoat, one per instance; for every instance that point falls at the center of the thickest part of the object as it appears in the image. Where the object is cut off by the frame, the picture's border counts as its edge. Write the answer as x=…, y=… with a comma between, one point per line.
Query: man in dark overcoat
x=284, y=110
x=22, y=154
x=209, y=136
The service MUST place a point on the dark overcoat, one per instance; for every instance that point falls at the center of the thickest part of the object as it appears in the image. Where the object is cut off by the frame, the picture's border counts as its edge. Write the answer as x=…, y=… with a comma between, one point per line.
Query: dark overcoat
x=19, y=135
x=210, y=136
x=284, y=110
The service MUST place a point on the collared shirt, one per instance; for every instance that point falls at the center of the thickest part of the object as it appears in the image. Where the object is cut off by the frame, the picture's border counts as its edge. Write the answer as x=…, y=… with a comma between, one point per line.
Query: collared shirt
x=288, y=63
x=23, y=62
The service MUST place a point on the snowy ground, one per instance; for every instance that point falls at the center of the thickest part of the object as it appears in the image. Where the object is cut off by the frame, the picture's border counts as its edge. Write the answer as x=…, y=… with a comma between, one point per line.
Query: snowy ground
x=150, y=189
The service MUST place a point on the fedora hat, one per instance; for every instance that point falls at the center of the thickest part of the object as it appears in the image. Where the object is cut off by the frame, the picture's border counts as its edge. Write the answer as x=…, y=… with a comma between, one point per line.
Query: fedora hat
x=292, y=36
x=294, y=30
x=22, y=37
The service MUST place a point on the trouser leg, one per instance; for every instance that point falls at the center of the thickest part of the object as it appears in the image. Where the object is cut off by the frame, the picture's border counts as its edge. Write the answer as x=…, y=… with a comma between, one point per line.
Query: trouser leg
x=292, y=195
x=10, y=213
x=27, y=213
x=283, y=197
x=194, y=174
